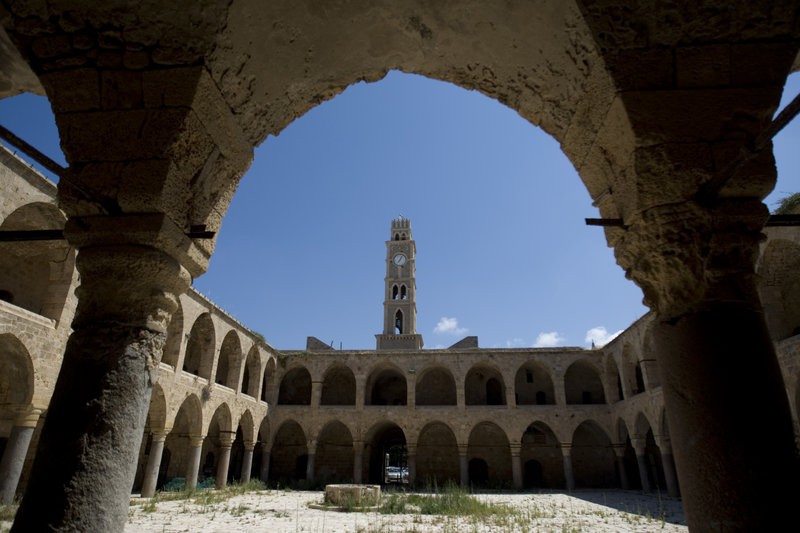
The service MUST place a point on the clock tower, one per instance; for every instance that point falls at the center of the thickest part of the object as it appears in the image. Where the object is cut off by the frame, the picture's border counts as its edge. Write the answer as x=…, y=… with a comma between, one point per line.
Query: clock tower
x=399, y=302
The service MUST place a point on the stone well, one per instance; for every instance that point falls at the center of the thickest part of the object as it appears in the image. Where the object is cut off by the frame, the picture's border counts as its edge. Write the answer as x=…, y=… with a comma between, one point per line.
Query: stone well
x=353, y=495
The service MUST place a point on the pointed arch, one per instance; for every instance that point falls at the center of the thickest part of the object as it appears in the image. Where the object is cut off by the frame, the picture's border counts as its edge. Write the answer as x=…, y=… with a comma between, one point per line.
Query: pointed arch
x=295, y=387
x=172, y=348
x=250, y=376
x=541, y=458
x=289, y=456
x=386, y=386
x=435, y=386
x=488, y=455
x=533, y=385
x=483, y=385
x=334, y=454
x=200, y=347
x=592, y=457
x=230, y=355
x=437, y=455
x=338, y=386
x=582, y=384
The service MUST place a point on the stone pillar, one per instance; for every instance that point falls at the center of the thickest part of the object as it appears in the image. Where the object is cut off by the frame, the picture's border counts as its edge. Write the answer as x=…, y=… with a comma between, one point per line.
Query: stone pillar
x=717, y=362
x=569, y=475
x=310, y=466
x=558, y=389
x=412, y=462
x=668, y=464
x=619, y=458
x=360, y=386
x=153, y=464
x=91, y=437
x=461, y=398
x=358, y=461
x=511, y=397
x=15, y=453
x=226, y=439
x=193, y=464
x=265, y=458
x=247, y=462
x=639, y=444
x=516, y=465
x=316, y=394
x=411, y=392
x=463, y=464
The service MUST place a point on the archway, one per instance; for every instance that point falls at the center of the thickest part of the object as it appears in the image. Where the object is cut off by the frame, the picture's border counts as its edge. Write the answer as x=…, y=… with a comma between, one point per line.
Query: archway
x=250, y=375
x=484, y=385
x=334, y=455
x=384, y=447
x=188, y=423
x=533, y=385
x=289, y=457
x=386, y=386
x=219, y=434
x=199, y=354
x=172, y=349
x=542, y=460
x=435, y=386
x=230, y=355
x=295, y=387
x=437, y=455
x=338, y=386
x=592, y=457
x=582, y=384
x=489, y=455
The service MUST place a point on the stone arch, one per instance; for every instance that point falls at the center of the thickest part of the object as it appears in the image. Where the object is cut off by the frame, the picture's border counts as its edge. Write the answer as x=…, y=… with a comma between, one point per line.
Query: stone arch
x=631, y=465
x=228, y=361
x=582, y=384
x=654, y=469
x=157, y=413
x=220, y=430
x=262, y=445
x=269, y=378
x=382, y=439
x=16, y=375
x=338, y=386
x=250, y=374
x=36, y=275
x=533, y=385
x=484, y=385
x=289, y=457
x=437, y=455
x=248, y=427
x=541, y=458
x=295, y=387
x=172, y=348
x=200, y=347
x=592, y=456
x=613, y=380
x=334, y=455
x=779, y=287
x=188, y=422
x=245, y=433
x=435, y=386
x=386, y=385
x=488, y=456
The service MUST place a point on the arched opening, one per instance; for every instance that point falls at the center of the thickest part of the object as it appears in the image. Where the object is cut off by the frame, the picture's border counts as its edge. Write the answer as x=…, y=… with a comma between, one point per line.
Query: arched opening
x=483, y=385
x=334, y=455
x=398, y=322
x=156, y=421
x=338, y=386
x=289, y=456
x=437, y=455
x=250, y=378
x=542, y=460
x=639, y=377
x=200, y=347
x=533, y=385
x=592, y=457
x=172, y=348
x=262, y=445
x=386, y=387
x=230, y=355
x=16, y=375
x=36, y=275
x=188, y=422
x=403, y=295
x=614, y=380
x=435, y=386
x=394, y=292
x=652, y=454
x=269, y=376
x=582, y=384
x=488, y=445
x=385, y=449
x=295, y=387
x=632, y=479
x=219, y=430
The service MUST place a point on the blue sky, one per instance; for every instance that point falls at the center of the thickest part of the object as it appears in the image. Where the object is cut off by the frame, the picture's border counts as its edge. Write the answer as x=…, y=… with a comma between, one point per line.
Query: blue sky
x=497, y=213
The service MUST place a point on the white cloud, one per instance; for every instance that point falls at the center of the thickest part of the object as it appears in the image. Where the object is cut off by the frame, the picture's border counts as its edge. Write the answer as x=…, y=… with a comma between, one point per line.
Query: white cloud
x=548, y=340
x=516, y=342
x=600, y=336
x=449, y=326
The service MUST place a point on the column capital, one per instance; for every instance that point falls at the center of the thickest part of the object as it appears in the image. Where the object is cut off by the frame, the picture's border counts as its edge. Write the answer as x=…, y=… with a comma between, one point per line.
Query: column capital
x=411, y=448
x=249, y=445
x=27, y=418
x=196, y=441
x=566, y=449
x=619, y=450
x=159, y=435
x=462, y=449
x=684, y=253
x=664, y=443
x=639, y=444
x=226, y=438
x=516, y=448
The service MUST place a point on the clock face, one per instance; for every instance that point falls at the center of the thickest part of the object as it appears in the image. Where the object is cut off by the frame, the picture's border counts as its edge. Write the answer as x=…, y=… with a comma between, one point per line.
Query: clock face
x=399, y=259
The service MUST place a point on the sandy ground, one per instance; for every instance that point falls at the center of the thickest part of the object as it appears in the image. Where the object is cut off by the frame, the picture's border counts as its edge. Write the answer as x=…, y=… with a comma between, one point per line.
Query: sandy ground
x=279, y=511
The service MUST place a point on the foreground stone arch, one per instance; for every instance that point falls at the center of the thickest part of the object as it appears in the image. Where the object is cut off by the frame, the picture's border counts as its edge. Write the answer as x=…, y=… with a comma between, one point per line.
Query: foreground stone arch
x=628, y=95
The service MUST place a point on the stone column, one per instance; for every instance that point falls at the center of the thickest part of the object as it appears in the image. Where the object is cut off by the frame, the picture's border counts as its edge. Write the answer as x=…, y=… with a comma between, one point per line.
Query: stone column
x=717, y=362
x=558, y=389
x=461, y=398
x=130, y=282
x=511, y=397
x=226, y=439
x=463, y=464
x=619, y=458
x=360, y=386
x=516, y=464
x=668, y=464
x=316, y=394
x=310, y=467
x=153, y=464
x=639, y=444
x=247, y=462
x=411, y=393
x=358, y=461
x=193, y=464
x=14, y=455
x=569, y=475
x=265, y=458
x=411, y=448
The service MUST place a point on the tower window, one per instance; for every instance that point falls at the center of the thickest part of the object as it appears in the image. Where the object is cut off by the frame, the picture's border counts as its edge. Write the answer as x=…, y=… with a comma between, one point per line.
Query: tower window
x=397, y=236
x=403, y=294
x=398, y=322
x=394, y=292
